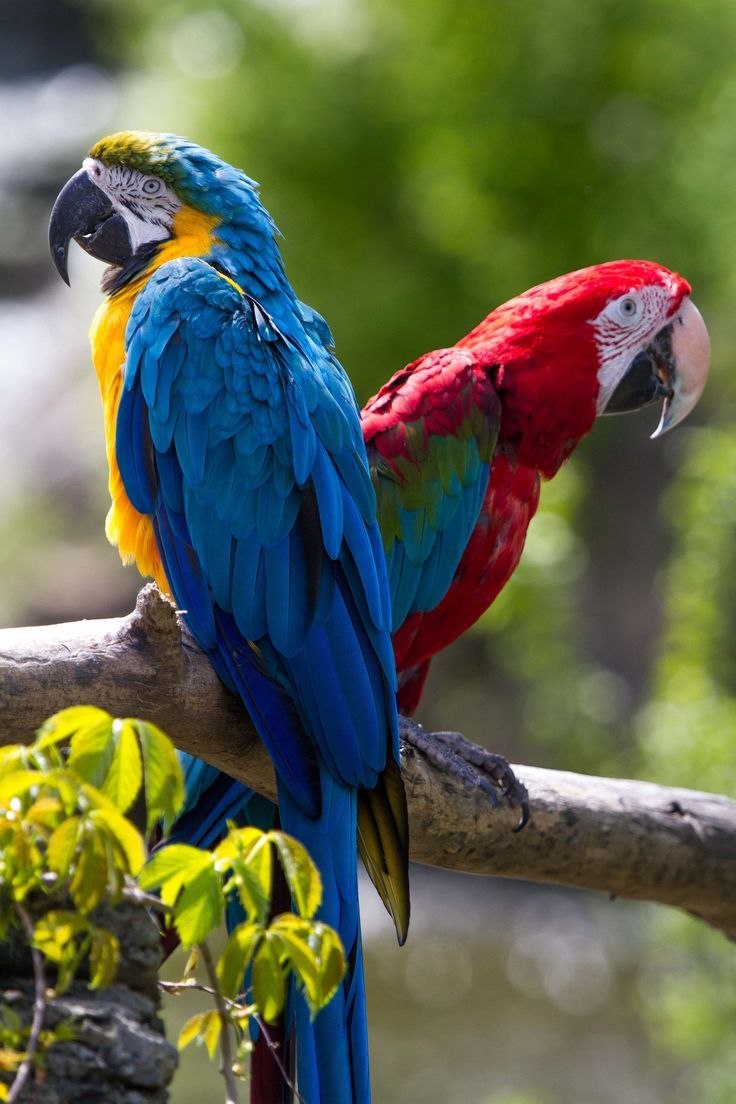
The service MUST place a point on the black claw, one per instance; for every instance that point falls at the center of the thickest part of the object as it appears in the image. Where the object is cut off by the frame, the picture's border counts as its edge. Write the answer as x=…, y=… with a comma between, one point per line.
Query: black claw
x=521, y=798
x=473, y=766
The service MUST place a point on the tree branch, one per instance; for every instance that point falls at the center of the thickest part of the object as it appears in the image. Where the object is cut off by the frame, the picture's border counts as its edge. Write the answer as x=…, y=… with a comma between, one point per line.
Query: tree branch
x=625, y=838
x=226, y=1053
x=39, y=1008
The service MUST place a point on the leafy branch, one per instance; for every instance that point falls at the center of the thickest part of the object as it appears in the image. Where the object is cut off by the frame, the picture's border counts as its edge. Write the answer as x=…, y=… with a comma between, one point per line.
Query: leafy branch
x=65, y=840
x=39, y=1008
x=189, y=983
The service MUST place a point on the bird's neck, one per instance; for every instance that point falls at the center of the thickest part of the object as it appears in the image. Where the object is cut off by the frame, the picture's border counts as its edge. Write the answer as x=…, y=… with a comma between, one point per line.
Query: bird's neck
x=547, y=388
x=242, y=246
x=247, y=252
x=194, y=234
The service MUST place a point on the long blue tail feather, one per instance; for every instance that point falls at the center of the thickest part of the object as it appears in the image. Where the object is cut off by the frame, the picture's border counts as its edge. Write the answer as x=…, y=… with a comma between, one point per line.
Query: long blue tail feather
x=332, y=1048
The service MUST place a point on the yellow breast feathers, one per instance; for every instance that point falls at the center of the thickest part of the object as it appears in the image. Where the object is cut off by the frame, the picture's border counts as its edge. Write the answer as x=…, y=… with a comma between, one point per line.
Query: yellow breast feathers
x=131, y=531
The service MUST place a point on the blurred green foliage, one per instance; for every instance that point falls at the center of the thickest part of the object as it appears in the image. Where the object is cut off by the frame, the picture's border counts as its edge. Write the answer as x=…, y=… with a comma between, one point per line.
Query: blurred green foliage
x=686, y=738
x=428, y=159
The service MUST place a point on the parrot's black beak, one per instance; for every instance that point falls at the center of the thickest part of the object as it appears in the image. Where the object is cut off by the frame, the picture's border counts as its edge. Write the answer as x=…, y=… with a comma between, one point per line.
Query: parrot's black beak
x=82, y=211
x=648, y=379
x=673, y=367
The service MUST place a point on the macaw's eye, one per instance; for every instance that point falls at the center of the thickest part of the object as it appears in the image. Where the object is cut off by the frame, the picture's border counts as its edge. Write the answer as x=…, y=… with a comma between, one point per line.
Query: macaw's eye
x=629, y=309
x=151, y=186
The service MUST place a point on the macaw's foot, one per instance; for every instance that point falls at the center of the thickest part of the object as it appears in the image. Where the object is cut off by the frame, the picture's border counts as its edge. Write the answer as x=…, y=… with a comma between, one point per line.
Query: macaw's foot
x=471, y=764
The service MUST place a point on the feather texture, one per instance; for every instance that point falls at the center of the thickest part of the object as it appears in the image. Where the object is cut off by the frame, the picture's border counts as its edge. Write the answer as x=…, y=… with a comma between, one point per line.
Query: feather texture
x=243, y=446
x=431, y=432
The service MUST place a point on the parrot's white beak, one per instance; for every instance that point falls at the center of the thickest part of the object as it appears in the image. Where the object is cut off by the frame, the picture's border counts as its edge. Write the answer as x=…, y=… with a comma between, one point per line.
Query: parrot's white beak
x=688, y=366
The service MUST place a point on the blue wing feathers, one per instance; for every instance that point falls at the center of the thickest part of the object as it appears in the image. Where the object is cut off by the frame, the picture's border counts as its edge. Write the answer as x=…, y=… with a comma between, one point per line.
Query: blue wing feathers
x=219, y=475
x=438, y=572
x=272, y=713
x=186, y=579
x=363, y=553
x=165, y=331
x=264, y=514
x=287, y=604
x=192, y=441
x=403, y=581
x=282, y=478
x=329, y=503
x=422, y=563
x=275, y=514
x=303, y=437
x=351, y=466
x=248, y=593
x=342, y=678
x=213, y=799
x=135, y=452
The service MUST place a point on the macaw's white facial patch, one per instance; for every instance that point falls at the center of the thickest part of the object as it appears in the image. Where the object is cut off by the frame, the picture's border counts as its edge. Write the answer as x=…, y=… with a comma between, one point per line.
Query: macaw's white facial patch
x=146, y=203
x=624, y=328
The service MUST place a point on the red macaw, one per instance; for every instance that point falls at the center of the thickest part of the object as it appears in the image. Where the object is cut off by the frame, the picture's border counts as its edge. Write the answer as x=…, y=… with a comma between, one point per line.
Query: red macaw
x=460, y=440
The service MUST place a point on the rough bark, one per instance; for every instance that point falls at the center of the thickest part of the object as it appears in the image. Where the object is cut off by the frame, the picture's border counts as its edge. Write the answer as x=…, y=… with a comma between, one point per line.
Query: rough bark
x=624, y=838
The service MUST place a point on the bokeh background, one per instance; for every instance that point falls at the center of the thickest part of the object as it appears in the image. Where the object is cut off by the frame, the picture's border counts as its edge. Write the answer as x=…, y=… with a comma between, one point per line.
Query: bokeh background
x=425, y=160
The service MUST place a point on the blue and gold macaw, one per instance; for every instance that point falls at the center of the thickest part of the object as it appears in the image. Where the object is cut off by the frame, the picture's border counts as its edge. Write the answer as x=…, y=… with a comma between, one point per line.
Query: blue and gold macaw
x=239, y=481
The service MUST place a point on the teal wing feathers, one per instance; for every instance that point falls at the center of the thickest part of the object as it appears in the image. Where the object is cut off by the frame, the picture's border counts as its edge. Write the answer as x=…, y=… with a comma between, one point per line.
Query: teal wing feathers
x=430, y=433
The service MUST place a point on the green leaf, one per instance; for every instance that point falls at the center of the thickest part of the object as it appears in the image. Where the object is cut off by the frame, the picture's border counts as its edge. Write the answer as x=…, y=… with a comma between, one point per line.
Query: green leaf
x=162, y=772
x=18, y=784
x=269, y=986
x=125, y=773
x=301, y=873
x=290, y=934
x=191, y=963
x=315, y=953
x=331, y=963
x=64, y=724
x=104, y=955
x=199, y=907
x=45, y=812
x=236, y=957
x=63, y=937
x=189, y=881
x=21, y=861
x=130, y=848
x=67, y=969
x=13, y=757
x=56, y=930
x=205, y=1027
x=62, y=846
x=191, y=1030
x=247, y=852
x=92, y=750
x=88, y=886
x=211, y=1028
x=171, y=867
x=65, y=784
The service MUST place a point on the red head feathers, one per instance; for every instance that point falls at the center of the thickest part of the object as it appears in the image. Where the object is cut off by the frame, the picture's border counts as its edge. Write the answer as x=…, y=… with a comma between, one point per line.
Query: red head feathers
x=563, y=349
